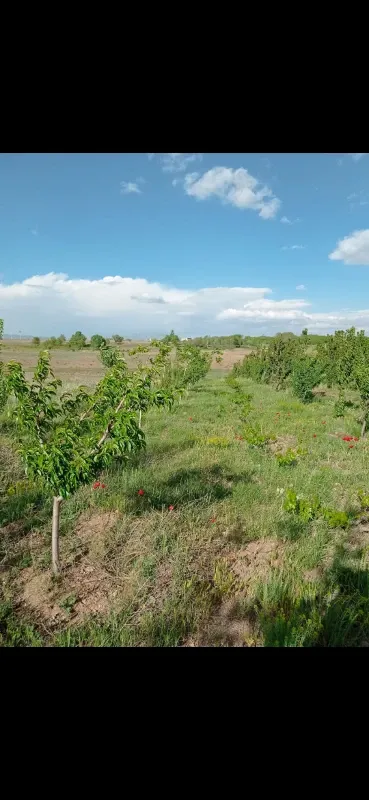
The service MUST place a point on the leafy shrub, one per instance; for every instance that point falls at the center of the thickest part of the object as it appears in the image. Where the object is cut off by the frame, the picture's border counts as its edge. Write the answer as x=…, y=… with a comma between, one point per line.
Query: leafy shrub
x=97, y=341
x=308, y=510
x=287, y=459
x=335, y=519
x=117, y=338
x=340, y=405
x=77, y=341
x=53, y=341
x=255, y=437
x=171, y=338
x=364, y=500
x=306, y=375
x=36, y=341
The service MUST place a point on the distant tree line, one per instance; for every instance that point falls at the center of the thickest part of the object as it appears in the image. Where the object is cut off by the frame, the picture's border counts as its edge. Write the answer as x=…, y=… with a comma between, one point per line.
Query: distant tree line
x=78, y=341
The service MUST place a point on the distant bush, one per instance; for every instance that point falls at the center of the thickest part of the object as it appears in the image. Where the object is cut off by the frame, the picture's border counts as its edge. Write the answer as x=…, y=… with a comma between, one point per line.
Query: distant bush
x=77, y=341
x=306, y=374
x=171, y=338
x=117, y=338
x=36, y=341
x=97, y=341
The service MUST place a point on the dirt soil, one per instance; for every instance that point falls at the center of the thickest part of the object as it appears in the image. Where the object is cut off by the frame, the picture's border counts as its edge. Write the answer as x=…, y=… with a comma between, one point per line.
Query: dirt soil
x=256, y=559
x=85, y=587
x=282, y=444
x=230, y=357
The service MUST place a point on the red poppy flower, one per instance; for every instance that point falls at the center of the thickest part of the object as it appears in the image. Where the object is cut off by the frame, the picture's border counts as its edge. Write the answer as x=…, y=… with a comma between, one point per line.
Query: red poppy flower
x=213, y=519
x=170, y=508
x=351, y=446
x=141, y=492
x=103, y=485
x=347, y=438
x=96, y=485
x=314, y=435
x=356, y=438
x=190, y=418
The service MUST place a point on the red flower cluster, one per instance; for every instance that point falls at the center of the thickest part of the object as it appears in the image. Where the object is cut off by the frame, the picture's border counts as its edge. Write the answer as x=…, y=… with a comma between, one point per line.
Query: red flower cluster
x=141, y=492
x=170, y=508
x=98, y=485
x=350, y=439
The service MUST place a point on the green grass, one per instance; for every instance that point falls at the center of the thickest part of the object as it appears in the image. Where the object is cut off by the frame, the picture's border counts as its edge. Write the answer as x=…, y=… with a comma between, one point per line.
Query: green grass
x=169, y=574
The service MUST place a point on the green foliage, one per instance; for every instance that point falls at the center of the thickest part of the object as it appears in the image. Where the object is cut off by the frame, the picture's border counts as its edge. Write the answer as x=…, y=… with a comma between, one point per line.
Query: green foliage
x=117, y=338
x=237, y=340
x=67, y=440
x=14, y=632
x=217, y=441
x=190, y=366
x=171, y=338
x=36, y=341
x=306, y=375
x=3, y=384
x=340, y=405
x=364, y=500
x=272, y=363
x=308, y=510
x=255, y=437
x=287, y=459
x=54, y=341
x=97, y=341
x=77, y=341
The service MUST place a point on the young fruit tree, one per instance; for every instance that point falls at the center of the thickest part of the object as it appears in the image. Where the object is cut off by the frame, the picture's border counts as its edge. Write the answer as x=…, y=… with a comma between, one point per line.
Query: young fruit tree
x=66, y=440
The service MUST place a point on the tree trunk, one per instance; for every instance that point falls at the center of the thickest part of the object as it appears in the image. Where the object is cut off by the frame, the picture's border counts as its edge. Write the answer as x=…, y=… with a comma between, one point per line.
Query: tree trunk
x=55, y=536
x=363, y=428
x=139, y=418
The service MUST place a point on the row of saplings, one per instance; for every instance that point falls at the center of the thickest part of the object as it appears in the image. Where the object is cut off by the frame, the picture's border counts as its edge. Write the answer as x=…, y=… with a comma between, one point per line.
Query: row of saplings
x=65, y=440
x=303, y=508
x=340, y=360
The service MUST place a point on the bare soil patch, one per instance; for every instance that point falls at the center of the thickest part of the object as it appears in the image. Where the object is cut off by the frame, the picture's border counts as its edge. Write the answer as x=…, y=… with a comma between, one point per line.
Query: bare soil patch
x=84, y=588
x=282, y=444
x=225, y=629
x=256, y=559
x=231, y=357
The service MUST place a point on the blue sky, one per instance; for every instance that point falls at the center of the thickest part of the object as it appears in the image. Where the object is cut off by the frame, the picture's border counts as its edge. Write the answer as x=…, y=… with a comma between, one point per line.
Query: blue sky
x=203, y=243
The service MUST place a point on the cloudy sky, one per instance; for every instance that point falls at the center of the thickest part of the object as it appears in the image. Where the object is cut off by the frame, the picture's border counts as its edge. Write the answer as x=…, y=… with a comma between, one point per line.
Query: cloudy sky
x=199, y=242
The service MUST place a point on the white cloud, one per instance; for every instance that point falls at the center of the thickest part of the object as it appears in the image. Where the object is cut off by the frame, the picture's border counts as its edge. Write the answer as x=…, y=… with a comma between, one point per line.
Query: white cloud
x=265, y=309
x=301, y=287
x=353, y=249
x=287, y=221
x=128, y=187
x=234, y=186
x=178, y=162
x=48, y=304
x=293, y=247
x=356, y=156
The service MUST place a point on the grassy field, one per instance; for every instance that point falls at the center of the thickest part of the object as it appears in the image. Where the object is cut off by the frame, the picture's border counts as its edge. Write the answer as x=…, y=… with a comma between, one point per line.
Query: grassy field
x=206, y=555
